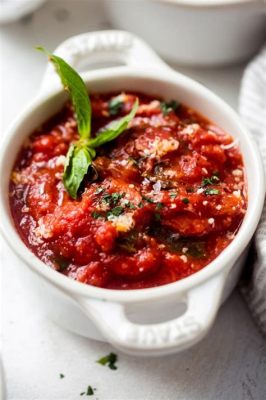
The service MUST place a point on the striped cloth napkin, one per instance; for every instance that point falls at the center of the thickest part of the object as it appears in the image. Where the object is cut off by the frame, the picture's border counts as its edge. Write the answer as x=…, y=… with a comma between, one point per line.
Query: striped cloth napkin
x=252, y=108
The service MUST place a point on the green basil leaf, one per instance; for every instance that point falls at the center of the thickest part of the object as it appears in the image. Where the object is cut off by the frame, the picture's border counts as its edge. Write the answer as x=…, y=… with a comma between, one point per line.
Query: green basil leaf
x=74, y=84
x=77, y=163
x=114, y=129
x=169, y=106
x=211, y=192
x=115, y=105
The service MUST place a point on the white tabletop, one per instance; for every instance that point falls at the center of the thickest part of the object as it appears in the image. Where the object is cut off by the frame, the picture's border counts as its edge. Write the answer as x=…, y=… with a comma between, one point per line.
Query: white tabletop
x=228, y=364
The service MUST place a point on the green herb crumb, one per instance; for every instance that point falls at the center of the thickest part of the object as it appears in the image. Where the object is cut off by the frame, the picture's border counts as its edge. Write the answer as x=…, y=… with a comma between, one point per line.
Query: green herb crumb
x=157, y=217
x=90, y=391
x=115, y=212
x=130, y=205
x=96, y=215
x=173, y=195
x=115, y=105
x=185, y=200
x=148, y=199
x=213, y=180
x=168, y=106
x=109, y=360
x=211, y=192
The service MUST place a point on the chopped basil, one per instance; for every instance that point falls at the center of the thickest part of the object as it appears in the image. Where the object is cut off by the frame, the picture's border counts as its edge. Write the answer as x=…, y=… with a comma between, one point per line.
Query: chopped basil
x=213, y=180
x=130, y=205
x=129, y=242
x=196, y=249
x=96, y=215
x=61, y=376
x=206, y=182
x=168, y=106
x=148, y=199
x=61, y=262
x=117, y=196
x=109, y=360
x=175, y=243
x=107, y=198
x=115, y=212
x=173, y=195
x=185, y=200
x=211, y=192
x=115, y=105
x=112, y=199
x=159, y=206
x=157, y=217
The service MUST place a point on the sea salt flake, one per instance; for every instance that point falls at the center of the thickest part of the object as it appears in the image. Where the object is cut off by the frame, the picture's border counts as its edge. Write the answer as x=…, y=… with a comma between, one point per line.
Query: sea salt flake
x=237, y=172
x=200, y=190
x=157, y=187
x=237, y=193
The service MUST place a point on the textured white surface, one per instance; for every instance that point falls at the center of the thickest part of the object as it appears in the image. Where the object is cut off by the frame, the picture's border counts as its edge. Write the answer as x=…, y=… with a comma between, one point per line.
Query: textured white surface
x=229, y=364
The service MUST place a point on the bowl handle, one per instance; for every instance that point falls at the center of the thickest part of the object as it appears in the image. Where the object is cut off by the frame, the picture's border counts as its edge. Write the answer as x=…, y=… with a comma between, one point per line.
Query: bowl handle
x=161, y=338
x=102, y=48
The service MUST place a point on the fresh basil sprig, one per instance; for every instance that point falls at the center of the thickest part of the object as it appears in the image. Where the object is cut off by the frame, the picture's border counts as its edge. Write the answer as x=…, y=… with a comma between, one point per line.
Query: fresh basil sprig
x=74, y=84
x=114, y=129
x=81, y=153
x=78, y=160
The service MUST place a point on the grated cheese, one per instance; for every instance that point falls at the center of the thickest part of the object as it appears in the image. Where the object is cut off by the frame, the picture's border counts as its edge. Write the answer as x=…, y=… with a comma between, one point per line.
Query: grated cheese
x=123, y=223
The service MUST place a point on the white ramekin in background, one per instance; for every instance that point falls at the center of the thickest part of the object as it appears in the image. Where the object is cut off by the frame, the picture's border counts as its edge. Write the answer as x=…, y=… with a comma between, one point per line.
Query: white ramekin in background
x=153, y=321
x=194, y=32
x=13, y=10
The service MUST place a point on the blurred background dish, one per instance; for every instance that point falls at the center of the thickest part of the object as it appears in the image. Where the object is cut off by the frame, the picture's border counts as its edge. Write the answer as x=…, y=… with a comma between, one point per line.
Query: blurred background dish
x=195, y=32
x=12, y=10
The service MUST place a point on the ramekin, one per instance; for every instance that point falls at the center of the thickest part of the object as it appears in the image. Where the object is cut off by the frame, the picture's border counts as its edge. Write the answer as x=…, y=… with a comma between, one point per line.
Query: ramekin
x=154, y=321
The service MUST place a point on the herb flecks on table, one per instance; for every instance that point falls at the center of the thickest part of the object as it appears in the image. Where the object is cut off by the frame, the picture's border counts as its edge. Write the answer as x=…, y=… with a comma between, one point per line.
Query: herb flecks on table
x=79, y=159
x=89, y=391
x=109, y=360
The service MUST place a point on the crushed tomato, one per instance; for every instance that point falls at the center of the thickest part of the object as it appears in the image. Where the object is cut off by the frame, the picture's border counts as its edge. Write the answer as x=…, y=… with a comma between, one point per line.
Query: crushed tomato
x=169, y=198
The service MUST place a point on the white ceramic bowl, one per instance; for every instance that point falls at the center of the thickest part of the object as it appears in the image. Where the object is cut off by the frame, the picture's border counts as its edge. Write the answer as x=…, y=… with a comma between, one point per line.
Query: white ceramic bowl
x=153, y=321
x=13, y=10
x=194, y=32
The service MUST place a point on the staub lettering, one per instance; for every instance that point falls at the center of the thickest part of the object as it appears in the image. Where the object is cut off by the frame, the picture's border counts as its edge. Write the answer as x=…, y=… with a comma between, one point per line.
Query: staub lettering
x=166, y=334
x=95, y=44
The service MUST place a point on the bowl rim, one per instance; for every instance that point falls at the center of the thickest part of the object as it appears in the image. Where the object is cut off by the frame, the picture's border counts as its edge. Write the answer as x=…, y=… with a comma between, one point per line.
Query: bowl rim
x=204, y=4
x=220, y=265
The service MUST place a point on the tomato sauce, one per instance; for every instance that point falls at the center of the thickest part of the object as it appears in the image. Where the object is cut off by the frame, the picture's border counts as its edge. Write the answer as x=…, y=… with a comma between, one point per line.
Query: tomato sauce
x=169, y=197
